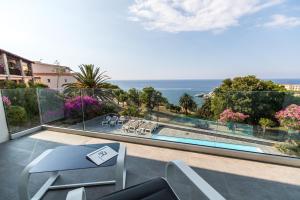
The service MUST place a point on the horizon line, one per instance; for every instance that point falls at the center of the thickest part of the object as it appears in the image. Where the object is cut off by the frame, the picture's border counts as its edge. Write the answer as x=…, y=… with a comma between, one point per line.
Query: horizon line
x=217, y=79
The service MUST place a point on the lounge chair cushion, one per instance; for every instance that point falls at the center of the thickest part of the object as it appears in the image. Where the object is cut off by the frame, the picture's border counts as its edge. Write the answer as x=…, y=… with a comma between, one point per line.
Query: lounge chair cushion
x=155, y=189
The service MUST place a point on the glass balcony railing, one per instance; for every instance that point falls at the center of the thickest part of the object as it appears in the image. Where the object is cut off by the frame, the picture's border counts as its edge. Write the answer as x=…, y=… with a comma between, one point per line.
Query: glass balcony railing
x=21, y=109
x=258, y=122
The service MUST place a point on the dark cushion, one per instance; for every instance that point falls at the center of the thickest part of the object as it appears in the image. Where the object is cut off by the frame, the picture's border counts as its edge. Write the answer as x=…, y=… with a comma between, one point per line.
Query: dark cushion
x=155, y=189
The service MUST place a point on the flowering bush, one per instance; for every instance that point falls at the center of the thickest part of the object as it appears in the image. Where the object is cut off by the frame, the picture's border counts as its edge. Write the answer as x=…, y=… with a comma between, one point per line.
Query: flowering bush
x=90, y=105
x=289, y=117
x=230, y=116
x=6, y=101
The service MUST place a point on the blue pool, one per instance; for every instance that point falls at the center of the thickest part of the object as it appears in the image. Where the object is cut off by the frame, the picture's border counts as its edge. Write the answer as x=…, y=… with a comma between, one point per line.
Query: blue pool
x=208, y=143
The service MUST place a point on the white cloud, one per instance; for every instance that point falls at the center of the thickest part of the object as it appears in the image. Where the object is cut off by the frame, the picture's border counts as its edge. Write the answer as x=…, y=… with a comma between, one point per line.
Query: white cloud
x=194, y=15
x=283, y=21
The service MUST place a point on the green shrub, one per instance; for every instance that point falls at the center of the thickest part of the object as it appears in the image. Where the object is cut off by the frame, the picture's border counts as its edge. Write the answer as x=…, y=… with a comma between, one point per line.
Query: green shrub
x=266, y=123
x=38, y=85
x=8, y=84
x=290, y=148
x=131, y=111
x=173, y=108
x=109, y=107
x=16, y=115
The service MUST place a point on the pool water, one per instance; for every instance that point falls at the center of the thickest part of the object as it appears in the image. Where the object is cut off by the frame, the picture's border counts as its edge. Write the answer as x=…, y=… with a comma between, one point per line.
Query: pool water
x=208, y=143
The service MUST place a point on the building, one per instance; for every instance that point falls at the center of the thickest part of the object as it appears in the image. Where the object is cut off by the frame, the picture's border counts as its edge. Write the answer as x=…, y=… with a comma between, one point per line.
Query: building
x=14, y=67
x=292, y=87
x=52, y=75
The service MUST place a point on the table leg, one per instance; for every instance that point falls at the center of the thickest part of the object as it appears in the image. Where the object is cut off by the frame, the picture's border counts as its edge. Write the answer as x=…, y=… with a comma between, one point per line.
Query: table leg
x=25, y=176
x=120, y=177
x=42, y=191
x=120, y=173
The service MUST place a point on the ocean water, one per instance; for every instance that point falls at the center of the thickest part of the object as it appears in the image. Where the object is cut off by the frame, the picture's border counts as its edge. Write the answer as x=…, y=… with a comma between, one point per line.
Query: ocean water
x=173, y=89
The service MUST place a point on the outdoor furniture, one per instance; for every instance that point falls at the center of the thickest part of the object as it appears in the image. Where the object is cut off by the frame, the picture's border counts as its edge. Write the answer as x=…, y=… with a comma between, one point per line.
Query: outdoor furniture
x=180, y=183
x=121, y=120
x=151, y=127
x=126, y=126
x=142, y=128
x=66, y=158
x=113, y=121
x=106, y=120
x=135, y=125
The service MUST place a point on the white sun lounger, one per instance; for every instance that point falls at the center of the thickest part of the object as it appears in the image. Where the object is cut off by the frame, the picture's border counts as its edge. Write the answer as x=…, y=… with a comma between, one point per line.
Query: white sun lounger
x=126, y=126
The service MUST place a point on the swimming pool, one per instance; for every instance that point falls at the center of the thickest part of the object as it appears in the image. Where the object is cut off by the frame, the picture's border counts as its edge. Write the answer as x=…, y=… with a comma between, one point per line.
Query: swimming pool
x=208, y=143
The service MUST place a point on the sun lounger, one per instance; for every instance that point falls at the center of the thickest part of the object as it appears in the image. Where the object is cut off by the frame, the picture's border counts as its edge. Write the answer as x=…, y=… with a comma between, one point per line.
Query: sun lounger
x=151, y=127
x=135, y=125
x=126, y=126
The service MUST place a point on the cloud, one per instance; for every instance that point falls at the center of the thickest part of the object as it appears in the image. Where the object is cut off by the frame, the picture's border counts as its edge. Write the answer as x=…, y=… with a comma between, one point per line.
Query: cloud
x=194, y=15
x=283, y=21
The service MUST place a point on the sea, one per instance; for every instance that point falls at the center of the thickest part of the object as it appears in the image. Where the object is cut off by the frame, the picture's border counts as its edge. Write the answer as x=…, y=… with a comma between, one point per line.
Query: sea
x=173, y=89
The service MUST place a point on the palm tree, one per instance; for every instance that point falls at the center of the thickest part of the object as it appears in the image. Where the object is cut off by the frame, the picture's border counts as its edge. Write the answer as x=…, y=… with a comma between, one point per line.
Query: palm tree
x=93, y=80
x=187, y=103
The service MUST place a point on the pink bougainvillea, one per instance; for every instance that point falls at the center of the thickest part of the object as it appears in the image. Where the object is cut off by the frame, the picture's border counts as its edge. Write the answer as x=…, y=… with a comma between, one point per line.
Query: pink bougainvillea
x=6, y=101
x=230, y=116
x=74, y=106
x=289, y=117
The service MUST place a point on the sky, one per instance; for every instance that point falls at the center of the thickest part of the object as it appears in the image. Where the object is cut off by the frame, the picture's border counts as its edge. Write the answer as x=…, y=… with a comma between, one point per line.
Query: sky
x=158, y=39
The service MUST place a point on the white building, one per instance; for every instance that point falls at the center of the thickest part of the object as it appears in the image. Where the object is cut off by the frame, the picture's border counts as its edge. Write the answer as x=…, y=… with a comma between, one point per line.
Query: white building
x=292, y=87
x=52, y=75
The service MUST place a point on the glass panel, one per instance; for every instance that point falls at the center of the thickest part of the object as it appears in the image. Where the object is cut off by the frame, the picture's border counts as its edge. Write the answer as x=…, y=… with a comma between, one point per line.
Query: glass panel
x=258, y=122
x=61, y=108
x=21, y=109
x=101, y=113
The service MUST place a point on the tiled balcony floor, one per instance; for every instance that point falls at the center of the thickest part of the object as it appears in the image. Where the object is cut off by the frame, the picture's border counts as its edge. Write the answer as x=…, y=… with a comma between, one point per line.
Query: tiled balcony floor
x=233, y=178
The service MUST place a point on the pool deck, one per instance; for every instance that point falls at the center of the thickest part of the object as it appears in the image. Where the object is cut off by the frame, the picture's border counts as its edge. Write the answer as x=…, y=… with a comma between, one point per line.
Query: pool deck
x=95, y=126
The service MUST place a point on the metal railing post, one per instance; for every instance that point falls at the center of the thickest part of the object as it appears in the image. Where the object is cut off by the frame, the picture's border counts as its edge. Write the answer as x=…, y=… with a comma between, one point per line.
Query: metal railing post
x=39, y=105
x=82, y=110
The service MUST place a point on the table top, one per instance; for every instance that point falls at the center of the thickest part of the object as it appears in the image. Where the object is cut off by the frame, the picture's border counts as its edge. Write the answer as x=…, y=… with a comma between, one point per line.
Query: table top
x=72, y=157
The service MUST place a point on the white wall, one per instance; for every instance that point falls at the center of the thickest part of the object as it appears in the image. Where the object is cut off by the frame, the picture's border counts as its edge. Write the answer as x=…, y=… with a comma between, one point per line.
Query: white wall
x=53, y=81
x=49, y=72
x=4, y=135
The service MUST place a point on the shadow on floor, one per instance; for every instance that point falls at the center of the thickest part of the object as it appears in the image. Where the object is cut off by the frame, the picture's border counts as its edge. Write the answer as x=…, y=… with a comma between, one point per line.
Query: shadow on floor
x=16, y=154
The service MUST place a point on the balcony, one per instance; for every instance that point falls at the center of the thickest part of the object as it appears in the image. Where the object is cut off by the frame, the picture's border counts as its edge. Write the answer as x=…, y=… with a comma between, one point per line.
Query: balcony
x=171, y=136
x=27, y=73
x=233, y=178
x=15, y=71
x=2, y=70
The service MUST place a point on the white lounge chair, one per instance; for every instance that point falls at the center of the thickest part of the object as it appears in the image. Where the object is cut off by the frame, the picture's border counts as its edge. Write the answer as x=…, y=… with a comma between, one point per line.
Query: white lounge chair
x=135, y=125
x=106, y=120
x=113, y=121
x=126, y=126
x=121, y=120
